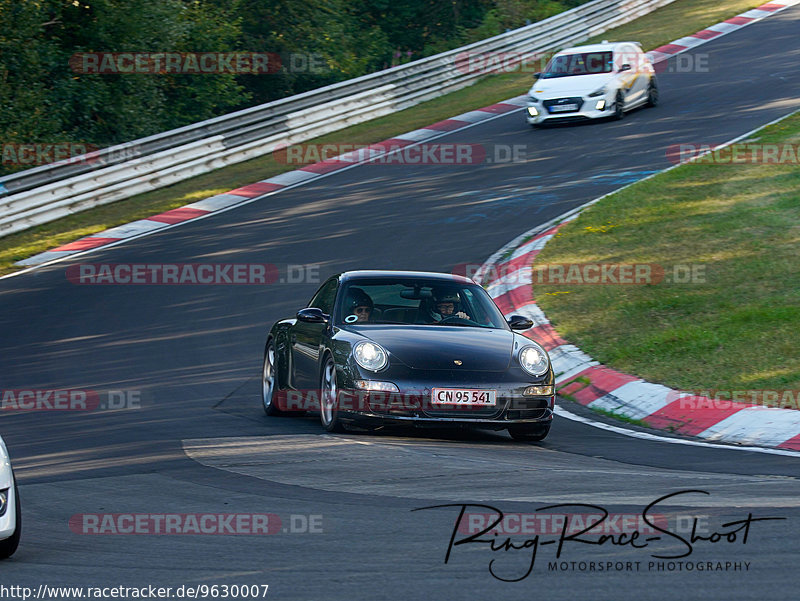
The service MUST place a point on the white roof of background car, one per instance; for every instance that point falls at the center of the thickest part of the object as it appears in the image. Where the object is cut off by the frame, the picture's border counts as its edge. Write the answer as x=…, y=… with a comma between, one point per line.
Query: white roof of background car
x=596, y=47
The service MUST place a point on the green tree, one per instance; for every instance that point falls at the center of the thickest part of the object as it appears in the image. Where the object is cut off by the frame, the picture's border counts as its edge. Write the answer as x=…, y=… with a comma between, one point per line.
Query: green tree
x=319, y=42
x=43, y=100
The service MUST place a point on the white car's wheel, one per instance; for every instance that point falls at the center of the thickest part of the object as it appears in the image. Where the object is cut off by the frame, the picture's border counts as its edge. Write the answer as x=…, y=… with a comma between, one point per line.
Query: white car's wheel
x=652, y=93
x=619, y=105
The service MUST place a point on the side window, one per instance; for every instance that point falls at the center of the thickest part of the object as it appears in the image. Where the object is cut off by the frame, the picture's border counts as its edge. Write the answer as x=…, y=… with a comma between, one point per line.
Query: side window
x=472, y=307
x=630, y=56
x=641, y=59
x=325, y=296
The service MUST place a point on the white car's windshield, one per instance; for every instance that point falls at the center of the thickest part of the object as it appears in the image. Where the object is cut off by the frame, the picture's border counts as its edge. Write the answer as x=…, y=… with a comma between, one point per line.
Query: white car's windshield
x=417, y=301
x=584, y=63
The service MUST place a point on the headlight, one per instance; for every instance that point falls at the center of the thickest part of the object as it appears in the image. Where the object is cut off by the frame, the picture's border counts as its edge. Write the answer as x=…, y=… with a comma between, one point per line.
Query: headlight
x=532, y=98
x=370, y=356
x=532, y=111
x=3, y=501
x=534, y=360
x=600, y=92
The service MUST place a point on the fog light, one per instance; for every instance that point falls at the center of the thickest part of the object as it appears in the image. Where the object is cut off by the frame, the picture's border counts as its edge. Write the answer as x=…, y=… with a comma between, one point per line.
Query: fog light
x=3, y=501
x=538, y=391
x=532, y=111
x=601, y=105
x=376, y=386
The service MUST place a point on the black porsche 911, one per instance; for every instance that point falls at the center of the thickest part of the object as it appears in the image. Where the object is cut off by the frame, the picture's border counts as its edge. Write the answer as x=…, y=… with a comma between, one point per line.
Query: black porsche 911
x=375, y=347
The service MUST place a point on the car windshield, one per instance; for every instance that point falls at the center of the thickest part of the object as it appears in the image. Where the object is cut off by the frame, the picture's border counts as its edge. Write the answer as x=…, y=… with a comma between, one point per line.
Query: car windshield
x=584, y=63
x=417, y=301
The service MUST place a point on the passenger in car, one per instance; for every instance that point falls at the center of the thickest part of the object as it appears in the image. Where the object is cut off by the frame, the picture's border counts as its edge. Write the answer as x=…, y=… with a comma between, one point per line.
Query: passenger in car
x=359, y=304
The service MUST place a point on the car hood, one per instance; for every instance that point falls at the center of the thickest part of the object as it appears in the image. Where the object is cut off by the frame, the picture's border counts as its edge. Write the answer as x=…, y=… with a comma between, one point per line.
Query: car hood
x=578, y=85
x=438, y=347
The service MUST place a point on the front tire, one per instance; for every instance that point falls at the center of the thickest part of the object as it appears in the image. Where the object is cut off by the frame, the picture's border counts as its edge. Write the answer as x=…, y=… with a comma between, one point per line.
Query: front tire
x=329, y=401
x=9, y=545
x=529, y=432
x=619, y=106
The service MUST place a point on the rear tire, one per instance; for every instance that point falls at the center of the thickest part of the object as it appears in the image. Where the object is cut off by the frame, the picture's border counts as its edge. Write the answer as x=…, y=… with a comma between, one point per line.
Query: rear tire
x=269, y=379
x=529, y=432
x=329, y=401
x=652, y=93
x=9, y=545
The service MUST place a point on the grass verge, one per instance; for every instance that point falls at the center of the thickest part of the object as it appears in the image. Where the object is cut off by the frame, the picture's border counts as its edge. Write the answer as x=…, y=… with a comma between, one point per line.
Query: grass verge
x=680, y=18
x=732, y=231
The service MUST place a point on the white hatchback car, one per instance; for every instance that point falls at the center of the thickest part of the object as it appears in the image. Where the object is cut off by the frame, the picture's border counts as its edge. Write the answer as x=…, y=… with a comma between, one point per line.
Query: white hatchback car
x=10, y=516
x=592, y=82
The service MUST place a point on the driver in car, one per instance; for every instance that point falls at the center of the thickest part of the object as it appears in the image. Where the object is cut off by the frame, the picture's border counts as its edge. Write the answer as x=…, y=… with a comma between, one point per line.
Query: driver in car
x=447, y=304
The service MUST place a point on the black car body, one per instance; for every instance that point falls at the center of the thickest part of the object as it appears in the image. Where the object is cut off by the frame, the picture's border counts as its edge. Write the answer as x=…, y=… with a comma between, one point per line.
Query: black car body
x=408, y=362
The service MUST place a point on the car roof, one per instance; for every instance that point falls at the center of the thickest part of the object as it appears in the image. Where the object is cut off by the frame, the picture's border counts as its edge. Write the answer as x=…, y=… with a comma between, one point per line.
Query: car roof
x=381, y=273
x=596, y=47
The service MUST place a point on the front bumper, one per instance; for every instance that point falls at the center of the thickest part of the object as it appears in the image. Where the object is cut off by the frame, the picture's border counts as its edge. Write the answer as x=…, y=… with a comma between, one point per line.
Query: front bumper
x=491, y=424
x=8, y=521
x=537, y=113
x=412, y=402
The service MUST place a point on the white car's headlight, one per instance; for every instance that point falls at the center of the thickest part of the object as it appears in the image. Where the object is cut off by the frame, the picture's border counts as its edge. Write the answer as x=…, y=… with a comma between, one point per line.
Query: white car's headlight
x=532, y=98
x=370, y=356
x=600, y=92
x=534, y=360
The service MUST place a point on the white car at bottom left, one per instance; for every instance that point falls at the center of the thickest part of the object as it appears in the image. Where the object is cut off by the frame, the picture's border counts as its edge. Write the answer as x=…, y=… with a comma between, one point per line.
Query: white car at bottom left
x=10, y=516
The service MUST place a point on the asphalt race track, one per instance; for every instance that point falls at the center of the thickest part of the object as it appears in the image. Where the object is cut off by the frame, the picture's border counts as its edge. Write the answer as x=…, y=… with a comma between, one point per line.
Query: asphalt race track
x=199, y=442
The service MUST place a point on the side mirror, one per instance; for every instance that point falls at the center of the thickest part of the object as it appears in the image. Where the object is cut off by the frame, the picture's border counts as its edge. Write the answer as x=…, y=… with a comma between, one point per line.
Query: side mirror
x=625, y=67
x=537, y=75
x=518, y=322
x=312, y=315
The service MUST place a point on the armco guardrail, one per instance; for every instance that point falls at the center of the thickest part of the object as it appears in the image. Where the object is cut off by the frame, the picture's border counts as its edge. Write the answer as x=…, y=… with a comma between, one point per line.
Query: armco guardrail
x=45, y=193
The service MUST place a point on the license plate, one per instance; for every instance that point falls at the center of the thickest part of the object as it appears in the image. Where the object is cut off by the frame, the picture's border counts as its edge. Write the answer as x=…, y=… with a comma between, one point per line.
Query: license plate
x=463, y=396
x=563, y=108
